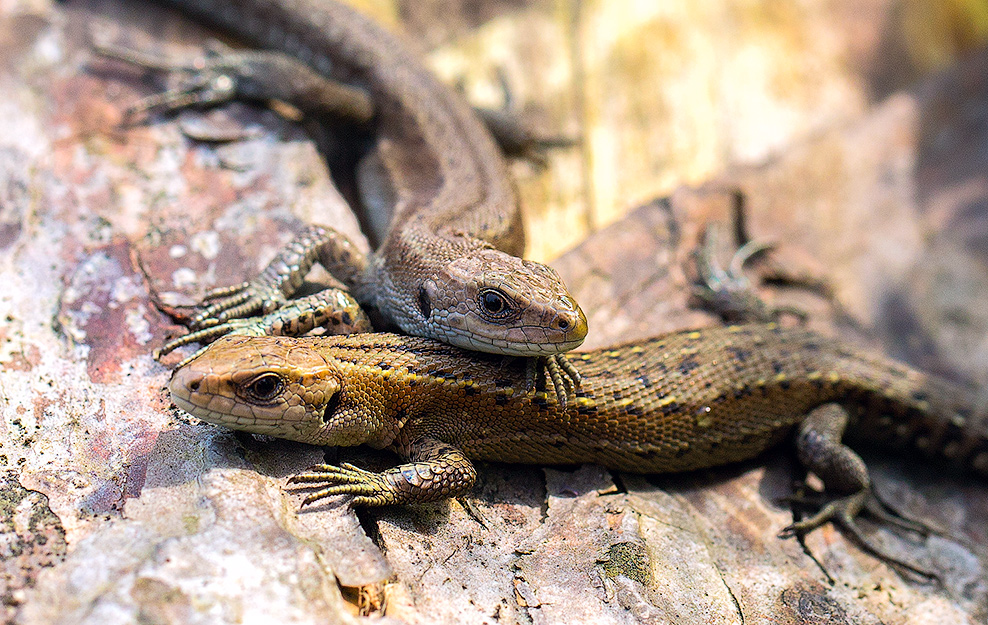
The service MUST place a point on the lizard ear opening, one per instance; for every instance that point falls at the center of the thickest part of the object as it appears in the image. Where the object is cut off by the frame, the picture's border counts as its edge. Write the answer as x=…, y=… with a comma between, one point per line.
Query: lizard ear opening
x=425, y=302
x=332, y=404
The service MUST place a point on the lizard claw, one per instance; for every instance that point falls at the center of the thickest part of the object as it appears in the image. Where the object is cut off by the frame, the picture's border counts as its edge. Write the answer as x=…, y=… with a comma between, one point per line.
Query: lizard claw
x=844, y=511
x=206, y=335
x=203, y=81
x=333, y=309
x=281, y=278
x=565, y=378
x=437, y=471
x=248, y=298
x=366, y=488
x=728, y=292
x=559, y=370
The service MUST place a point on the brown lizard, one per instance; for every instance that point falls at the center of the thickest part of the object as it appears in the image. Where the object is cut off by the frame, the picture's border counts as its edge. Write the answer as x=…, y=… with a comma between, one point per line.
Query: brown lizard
x=448, y=267
x=678, y=402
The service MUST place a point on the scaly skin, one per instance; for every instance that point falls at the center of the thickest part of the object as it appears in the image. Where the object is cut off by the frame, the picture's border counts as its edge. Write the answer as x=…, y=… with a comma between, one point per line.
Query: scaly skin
x=450, y=254
x=678, y=402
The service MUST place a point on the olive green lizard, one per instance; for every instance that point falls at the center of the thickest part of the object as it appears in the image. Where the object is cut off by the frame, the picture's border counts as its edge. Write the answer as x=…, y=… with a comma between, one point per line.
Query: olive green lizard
x=678, y=402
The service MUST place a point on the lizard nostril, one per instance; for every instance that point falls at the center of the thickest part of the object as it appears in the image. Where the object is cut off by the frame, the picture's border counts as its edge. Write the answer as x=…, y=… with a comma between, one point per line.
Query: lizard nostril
x=563, y=324
x=194, y=385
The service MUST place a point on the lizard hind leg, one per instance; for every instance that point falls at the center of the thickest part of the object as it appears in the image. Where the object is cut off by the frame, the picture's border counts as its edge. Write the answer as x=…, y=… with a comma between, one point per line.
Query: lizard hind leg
x=224, y=74
x=845, y=475
x=514, y=136
x=727, y=292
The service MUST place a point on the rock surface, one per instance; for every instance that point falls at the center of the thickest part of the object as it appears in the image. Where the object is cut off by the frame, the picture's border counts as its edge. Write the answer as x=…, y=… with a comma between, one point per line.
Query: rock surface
x=120, y=509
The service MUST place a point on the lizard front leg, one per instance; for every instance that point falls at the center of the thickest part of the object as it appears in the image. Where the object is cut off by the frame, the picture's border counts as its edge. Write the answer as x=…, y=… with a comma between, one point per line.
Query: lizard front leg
x=283, y=276
x=436, y=471
x=333, y=309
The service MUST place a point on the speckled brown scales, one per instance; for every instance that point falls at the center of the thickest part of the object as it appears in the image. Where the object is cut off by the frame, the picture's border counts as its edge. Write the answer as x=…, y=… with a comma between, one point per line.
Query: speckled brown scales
x=448, y=266
x=678, y=402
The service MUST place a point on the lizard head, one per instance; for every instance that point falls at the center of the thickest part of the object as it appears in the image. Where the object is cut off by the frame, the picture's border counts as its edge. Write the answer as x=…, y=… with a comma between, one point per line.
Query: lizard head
x=493, y=302
x=270, y=385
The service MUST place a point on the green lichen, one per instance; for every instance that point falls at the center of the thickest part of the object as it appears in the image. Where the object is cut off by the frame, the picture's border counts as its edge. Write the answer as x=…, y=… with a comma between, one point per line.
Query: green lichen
x=628, y=559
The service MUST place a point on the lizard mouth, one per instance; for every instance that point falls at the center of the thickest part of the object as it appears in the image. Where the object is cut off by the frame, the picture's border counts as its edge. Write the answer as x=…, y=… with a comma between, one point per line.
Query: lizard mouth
x=514, y=348
x=197, y=411
x=184, y=404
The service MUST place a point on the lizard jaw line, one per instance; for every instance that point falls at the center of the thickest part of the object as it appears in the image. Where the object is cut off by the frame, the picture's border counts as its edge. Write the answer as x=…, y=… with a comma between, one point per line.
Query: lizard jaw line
x=532, y=350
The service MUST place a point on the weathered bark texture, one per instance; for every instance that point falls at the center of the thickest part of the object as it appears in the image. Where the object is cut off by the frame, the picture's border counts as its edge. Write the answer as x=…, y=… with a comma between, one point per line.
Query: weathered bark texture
x=864, y=164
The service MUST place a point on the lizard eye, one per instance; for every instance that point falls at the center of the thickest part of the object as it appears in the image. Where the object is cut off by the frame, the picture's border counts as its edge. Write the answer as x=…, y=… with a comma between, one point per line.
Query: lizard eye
x=265, y=387
x=494, y=303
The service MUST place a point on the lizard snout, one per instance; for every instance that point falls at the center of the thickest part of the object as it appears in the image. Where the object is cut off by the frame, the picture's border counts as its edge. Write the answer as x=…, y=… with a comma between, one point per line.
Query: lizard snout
x=570, y=320
x=185, y=382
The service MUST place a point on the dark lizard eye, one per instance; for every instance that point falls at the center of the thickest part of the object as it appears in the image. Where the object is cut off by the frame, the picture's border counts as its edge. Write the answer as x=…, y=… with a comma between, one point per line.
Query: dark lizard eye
x=494, y=303
x=265, y=387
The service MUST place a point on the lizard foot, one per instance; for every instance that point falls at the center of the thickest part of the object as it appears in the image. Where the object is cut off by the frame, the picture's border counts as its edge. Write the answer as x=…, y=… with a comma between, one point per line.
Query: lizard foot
x=437, y=471
x=565, y=378
x=200, y=84
x=844, y=511
x=207, y=335
x=559, y=370
x=226, y=303
x=366, y=487
x=223, y=74
x=333, y=309
x=843, y=472
x=516, y=138
x=727, y=292
x=283, y=276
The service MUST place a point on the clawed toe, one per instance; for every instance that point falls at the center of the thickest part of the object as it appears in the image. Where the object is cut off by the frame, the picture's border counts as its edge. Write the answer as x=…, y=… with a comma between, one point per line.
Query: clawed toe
x=245, y=300
x=844, y=511
x=878, y=509
x=556, y=369
x=331, y=480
